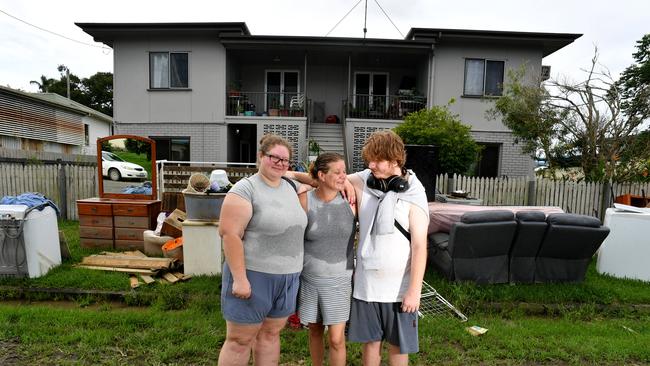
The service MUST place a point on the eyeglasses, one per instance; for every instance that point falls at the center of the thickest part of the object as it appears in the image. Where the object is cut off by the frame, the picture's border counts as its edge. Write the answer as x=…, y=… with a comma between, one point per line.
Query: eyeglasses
x=278, y=160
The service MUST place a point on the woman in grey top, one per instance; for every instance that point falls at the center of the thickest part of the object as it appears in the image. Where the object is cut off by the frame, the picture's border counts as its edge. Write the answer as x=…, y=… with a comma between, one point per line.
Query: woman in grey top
x=325, y=281
x=262, y=226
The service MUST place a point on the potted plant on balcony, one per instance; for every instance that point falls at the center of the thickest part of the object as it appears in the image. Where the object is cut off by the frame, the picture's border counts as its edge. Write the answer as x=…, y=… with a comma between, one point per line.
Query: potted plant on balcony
x=234, y=88
x=314, y=150
x=284, y=112
x=297, y=111
x=273, y=108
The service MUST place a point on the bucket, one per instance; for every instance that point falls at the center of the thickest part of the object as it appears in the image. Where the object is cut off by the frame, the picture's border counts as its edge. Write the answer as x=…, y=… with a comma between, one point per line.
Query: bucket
x=203, y=206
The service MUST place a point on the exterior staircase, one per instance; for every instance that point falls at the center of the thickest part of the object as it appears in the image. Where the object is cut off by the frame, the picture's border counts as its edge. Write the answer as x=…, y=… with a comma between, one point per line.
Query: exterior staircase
x=329, y=136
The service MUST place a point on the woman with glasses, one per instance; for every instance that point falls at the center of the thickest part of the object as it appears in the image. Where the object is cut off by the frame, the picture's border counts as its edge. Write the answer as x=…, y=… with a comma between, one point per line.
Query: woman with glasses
x=262, y=226
x=326, y=279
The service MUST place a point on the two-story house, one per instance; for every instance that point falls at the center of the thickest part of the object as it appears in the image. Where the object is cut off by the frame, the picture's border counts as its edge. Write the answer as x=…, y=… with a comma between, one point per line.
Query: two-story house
x=209, y=91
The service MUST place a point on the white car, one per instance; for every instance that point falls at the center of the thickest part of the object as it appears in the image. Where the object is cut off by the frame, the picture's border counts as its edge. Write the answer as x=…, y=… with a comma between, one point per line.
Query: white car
x=116, y=168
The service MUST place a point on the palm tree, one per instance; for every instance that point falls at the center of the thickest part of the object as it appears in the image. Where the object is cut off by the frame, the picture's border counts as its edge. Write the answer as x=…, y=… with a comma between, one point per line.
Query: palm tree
x=44, y=85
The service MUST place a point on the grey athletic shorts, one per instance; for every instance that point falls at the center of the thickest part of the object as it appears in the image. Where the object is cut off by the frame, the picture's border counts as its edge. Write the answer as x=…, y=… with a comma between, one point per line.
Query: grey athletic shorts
x=273, y=296
x=379, y=321
x=324, y=300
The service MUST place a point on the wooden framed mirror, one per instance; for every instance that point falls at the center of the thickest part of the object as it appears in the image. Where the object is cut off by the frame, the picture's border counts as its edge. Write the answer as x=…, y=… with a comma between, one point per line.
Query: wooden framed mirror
x=126, y=167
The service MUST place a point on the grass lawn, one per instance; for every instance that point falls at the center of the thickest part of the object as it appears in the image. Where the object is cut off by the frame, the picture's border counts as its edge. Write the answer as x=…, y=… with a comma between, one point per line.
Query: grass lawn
x=140, y=159
x=589, y=323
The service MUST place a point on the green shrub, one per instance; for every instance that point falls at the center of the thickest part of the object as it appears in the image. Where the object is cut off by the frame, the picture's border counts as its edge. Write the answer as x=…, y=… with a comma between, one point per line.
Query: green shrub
x=440, y=127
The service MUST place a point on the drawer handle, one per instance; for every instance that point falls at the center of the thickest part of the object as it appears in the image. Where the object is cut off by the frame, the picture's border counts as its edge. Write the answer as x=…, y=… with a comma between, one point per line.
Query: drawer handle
x=94, y=209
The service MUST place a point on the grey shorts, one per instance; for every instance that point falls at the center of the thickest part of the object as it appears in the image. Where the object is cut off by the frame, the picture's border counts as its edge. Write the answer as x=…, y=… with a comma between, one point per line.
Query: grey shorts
x=273, y=296
x=379, y=321
x=324, y=300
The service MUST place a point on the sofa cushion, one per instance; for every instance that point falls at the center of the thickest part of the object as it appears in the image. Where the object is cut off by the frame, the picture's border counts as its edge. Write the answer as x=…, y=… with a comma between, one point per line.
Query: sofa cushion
x=573, y=219
x=530, y=216
x=439, y=240
x=487, y=216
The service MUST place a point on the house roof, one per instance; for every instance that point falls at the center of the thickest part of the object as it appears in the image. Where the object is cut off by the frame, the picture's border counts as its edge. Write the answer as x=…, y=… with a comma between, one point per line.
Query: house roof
x=59, y=101
x=107, y=32
x=236, y=34
x=550, y=42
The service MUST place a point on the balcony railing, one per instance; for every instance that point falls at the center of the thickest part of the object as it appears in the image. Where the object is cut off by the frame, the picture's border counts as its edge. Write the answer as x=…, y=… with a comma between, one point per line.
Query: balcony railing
x=265, y=104
x=383, y=106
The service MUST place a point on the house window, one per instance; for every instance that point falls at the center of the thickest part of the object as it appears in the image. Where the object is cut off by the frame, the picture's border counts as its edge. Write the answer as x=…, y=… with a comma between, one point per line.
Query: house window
x=168, y=70
x=86, y=134
x=483, y=77
x=488, y=165
x=172, y=148
x=281, y=86
x=370, y=91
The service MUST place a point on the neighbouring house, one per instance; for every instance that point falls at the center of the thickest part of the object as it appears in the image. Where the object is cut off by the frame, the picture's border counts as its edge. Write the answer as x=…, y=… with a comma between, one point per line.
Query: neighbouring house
x=209, y=91
x=48, y=122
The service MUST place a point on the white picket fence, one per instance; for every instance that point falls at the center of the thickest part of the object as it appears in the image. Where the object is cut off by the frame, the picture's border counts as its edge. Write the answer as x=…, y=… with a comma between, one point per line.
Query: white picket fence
x=20, y=175
x=575, y=197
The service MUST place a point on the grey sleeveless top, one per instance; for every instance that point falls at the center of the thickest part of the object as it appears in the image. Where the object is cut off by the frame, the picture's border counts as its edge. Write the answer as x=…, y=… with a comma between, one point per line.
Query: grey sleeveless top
x=329, y=238
x=273, y=239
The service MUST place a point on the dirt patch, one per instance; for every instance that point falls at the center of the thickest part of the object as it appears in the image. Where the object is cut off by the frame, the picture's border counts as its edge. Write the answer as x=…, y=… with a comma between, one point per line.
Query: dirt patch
x=9, y=355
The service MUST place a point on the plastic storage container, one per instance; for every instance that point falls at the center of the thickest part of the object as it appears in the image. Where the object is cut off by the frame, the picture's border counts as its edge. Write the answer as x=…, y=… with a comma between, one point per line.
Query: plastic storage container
x=203, y=206
x=39, y=249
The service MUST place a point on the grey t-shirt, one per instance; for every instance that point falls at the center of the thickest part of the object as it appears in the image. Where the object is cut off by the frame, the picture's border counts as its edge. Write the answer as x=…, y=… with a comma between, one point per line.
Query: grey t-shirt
x=273, y=239
x=329, y=238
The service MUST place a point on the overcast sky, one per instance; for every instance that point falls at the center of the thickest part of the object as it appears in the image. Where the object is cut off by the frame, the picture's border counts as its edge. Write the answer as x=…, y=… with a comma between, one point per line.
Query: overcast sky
x=26, y=53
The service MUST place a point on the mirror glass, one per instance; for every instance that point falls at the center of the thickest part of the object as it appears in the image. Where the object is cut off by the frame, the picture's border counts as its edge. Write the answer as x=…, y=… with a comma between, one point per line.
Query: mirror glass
x=126, y=167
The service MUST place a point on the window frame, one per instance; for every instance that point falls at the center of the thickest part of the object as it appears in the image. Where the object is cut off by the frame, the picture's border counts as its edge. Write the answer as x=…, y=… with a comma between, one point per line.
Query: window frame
x=169, y=70
x=371, y=82
x=483, y=86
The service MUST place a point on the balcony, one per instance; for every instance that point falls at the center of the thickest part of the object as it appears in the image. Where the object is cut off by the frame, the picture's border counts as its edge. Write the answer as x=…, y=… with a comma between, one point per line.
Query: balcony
x=265, y=104
x=396, y=107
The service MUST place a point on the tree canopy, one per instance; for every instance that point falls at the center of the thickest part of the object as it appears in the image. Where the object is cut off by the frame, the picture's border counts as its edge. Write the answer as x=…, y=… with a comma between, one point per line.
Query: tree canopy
x=634, y=83
x=95, y=91
x=440, y=127
x=585, y=119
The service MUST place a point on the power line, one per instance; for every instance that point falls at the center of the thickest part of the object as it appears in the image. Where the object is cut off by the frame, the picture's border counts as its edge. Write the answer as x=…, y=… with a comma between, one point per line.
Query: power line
x=339, y=22
x=49, y=31
x=389, y=19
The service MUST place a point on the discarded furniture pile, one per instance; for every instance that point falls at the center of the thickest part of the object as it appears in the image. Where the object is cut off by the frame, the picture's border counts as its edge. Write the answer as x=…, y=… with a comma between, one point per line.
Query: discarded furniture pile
x=499, y=246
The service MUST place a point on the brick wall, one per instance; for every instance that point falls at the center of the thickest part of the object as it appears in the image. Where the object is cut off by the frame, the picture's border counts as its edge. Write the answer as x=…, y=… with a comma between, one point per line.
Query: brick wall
x=207, y=140
x=512, y=161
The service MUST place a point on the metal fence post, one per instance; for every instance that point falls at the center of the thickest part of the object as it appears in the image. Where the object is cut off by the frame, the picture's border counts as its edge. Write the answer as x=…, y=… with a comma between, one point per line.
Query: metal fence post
x=605, y=202
x=531, y=199
x=63, y=191
x=450, y=183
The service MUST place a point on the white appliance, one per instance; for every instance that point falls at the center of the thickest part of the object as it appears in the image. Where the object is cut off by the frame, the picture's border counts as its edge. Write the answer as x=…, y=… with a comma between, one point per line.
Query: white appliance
x=40, y=237
x=201, y=248
x=625, y=253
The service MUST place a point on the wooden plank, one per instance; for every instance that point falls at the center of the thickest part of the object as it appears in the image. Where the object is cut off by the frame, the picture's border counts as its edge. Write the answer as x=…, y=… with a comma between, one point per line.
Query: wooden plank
x=147, y=279
x=170, y=277
x=182, y=276
x=121, y=262
x=136, y=253
x=133, y=280
x=116, y=269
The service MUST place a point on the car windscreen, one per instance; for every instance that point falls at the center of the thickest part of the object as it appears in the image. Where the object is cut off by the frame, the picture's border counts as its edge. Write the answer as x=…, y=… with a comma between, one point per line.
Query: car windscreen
x=110, y=157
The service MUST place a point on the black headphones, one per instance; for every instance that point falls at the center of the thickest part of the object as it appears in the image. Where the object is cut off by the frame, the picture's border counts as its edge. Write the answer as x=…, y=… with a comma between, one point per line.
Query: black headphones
x=395, y=183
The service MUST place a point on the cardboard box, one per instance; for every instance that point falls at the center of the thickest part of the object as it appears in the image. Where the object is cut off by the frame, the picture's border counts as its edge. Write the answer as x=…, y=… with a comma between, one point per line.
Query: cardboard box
x=173, y=224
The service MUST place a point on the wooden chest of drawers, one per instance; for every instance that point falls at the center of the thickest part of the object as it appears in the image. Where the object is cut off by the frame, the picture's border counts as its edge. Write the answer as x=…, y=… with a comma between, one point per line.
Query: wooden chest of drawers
x=112, y=223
